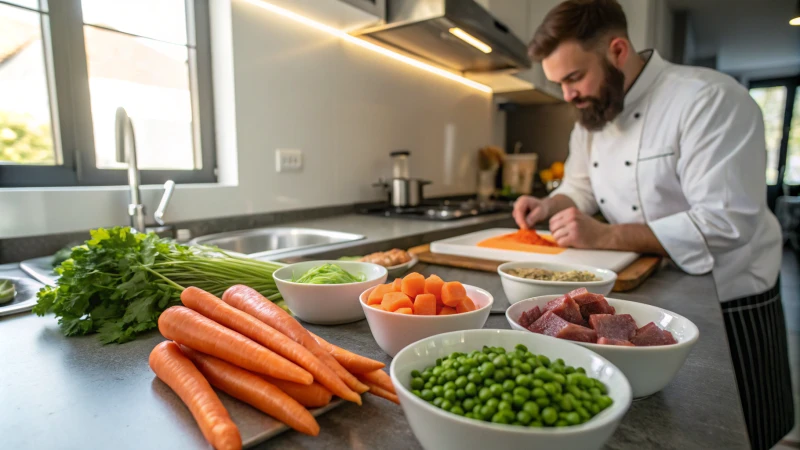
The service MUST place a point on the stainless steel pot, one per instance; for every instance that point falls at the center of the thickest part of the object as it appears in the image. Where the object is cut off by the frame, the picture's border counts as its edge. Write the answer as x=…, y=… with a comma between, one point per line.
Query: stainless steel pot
x=406, y=192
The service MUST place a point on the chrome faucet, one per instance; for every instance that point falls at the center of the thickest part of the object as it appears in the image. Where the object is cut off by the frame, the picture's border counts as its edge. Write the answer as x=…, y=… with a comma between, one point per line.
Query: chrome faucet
x=126, y=153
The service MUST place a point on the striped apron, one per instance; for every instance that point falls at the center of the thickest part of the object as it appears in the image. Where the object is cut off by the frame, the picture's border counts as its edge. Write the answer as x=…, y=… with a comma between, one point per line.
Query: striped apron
x=756, y=331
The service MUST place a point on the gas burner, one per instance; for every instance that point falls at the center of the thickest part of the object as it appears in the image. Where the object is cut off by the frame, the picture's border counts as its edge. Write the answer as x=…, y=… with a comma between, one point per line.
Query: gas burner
x=445, y=210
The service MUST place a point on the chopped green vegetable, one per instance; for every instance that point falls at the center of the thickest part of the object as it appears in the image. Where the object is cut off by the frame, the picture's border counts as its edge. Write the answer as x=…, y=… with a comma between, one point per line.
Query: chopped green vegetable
x=118, y=283
x=7, y=291
x=329, y=274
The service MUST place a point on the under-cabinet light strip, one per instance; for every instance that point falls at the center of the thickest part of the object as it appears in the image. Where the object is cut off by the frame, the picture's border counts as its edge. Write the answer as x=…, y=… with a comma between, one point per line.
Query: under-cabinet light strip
x=368, y=45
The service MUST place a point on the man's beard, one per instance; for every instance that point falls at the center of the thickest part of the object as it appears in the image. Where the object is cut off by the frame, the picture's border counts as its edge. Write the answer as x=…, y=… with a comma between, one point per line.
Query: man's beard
x=608, y=105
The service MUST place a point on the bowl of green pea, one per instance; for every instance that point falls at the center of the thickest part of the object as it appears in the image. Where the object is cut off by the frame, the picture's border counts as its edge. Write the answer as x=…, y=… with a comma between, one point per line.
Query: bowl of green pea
x=485, y=389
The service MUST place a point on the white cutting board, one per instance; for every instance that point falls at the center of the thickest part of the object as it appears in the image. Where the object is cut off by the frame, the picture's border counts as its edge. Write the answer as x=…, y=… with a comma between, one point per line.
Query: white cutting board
x=467, y=245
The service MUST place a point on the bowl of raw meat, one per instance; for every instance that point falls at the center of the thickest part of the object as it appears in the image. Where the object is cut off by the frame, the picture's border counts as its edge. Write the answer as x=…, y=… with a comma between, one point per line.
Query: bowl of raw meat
x=647, y=343
x=528, y=279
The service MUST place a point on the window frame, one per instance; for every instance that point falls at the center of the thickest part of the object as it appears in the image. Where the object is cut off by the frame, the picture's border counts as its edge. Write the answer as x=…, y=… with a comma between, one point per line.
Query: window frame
x=71, y=116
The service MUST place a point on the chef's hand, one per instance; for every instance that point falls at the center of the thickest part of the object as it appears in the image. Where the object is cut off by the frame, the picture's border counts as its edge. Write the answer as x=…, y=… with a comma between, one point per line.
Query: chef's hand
x=572, y=228
x=528, y=211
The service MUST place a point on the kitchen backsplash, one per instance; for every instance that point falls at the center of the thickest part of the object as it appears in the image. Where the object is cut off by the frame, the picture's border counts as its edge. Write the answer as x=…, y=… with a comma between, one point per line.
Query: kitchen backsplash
x=542, y=129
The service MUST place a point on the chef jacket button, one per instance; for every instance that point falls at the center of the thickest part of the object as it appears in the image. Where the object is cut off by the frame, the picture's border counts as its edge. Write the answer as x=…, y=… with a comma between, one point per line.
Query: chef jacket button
x=637, y=115
x=635, y=208
x=627, y=163
x=602, y=201
x=595, y=164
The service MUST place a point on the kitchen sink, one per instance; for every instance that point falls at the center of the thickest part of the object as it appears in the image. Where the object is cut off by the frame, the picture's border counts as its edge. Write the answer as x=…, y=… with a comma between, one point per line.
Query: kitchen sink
x=268, y=242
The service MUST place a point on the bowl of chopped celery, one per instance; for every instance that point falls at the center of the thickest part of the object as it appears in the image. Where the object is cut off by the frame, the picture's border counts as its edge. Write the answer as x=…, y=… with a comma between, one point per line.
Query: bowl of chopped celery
x=326, y=292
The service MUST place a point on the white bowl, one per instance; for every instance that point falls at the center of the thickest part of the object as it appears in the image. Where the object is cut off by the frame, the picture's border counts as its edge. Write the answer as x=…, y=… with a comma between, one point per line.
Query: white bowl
x=400, y=269
x=441, y=430
x=327, y=304
x=649, y=369
x=393, y=331
x=517, y=288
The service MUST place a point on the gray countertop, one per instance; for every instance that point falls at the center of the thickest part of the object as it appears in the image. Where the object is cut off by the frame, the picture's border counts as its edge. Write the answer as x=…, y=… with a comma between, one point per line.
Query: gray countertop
x=59, y=392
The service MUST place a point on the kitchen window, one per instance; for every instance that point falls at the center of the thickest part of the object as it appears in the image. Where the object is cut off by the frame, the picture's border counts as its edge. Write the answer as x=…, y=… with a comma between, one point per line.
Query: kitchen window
x=67, y=65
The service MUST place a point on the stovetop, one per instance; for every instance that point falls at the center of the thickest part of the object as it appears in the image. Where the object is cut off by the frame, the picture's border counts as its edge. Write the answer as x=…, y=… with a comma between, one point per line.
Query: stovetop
x=442, y=211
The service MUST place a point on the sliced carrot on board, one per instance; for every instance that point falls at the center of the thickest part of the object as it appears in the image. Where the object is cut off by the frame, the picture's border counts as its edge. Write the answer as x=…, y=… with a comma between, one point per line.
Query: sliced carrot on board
x=433, y=285
x=376, y=296
x=404, y=311
x=466, y=305
x=393, y=301
x=425, y=305
x=446, y=311
x=397, y=284
x=413, y=284
x=453, y=293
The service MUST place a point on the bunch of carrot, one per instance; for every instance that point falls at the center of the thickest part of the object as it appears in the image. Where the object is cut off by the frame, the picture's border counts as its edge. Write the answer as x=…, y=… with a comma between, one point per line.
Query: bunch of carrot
x=251, y=349
x=417, y=295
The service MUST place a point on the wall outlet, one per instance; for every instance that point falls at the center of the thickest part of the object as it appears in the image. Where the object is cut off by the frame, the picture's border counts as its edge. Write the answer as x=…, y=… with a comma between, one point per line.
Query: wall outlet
x=288, y=160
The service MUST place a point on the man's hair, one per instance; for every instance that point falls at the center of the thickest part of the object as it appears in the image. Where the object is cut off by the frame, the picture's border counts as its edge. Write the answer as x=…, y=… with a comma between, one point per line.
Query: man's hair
x=585, y=21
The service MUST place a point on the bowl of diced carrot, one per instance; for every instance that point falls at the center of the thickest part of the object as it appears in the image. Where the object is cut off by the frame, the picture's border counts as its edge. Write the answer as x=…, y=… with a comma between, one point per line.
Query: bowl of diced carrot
x=415, y=307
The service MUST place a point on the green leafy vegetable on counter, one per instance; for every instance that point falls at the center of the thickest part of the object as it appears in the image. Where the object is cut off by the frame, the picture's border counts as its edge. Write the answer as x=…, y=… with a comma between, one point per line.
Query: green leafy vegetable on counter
x=119, y=282
x=7, y=291
x=62, y=255
x=329, y=274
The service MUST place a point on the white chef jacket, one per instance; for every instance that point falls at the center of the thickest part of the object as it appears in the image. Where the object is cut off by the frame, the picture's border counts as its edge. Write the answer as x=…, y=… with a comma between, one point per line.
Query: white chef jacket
x=687, y=156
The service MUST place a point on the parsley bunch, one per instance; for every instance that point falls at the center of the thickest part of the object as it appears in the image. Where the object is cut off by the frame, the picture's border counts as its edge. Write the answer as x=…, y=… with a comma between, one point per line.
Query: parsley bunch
x=119, y=282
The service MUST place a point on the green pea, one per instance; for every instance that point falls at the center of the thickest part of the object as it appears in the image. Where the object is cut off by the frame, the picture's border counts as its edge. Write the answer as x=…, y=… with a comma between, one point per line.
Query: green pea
x=477, y=411
x=570, y=369
x=492, y=355
x=461, y=394
x=447, y=363
x=426, y=375
x=515, y=362
x=562, y=423
x=417, y=392
x=525, y=368
x=507, y=397
x=493, y=402
x=470, y=362
x=487, y=412
x=552, y=388
x=581, y=370
x=573, y=418
x=533, y=361
x=544, y=401
x=524, y=418
x=522, y=392
x=481, y=358
x=556, y=369
x=499, y=418
x=518, y=401
x=462, y=371
x=487, y=369
x=523, y=380
x=559, y=378
x=437, y=391
x=428, y=385
x=549, y=416
x=566, y=404
x=510, y=415
x=457, y=410
x=488, y=382
x=586, y=396
x=449, y=385
x=556, y=398
x=543, y=360
x=427, y=395
x=543, y=374
x=500, y=361
x=450, y=394
x=468, y=404
x=500, y=350
x=515, y=372
x=560, y=362
x=531, y=408
x=461, y=382
x=485, y=394
x=536, y=424
x=504, y=406
x=446, y=405
x=437, y=370
x=474, y=377
x=499, y=376
x=538, y=393
x=583, y=413
x=469, y=415
x=601, y=386
x=496, y=390
x=594, y=409
x=509, y=385
x=471, y=389
x=456, y=364
x=537, y=382
x=438, y=401
x=604, y=402
x=451, y=375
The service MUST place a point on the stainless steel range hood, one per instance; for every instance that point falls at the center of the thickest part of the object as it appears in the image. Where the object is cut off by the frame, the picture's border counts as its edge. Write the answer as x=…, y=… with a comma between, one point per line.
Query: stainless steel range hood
x=457, y=34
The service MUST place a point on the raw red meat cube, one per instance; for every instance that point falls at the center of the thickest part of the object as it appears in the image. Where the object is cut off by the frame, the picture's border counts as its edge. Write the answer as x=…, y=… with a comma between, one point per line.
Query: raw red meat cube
x=530, y=316
x=551, y=324
x=607, y=341
x=579, y=295
x=651, y=334
x=566, y=308
x=597, y=305
x=621, y=327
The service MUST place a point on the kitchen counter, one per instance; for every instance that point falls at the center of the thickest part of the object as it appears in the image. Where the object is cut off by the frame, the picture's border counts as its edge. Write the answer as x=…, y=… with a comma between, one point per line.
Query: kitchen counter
x=65, y=393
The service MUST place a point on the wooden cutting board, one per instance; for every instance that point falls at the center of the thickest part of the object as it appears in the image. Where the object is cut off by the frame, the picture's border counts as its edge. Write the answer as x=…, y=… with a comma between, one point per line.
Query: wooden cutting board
x=627, y=279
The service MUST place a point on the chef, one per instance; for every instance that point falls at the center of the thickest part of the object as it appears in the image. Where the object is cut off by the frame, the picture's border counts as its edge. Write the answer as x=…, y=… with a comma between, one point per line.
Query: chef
x=674, y=158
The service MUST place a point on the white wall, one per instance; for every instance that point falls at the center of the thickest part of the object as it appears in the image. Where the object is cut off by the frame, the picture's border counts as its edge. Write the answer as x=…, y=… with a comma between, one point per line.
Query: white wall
x=289, y=86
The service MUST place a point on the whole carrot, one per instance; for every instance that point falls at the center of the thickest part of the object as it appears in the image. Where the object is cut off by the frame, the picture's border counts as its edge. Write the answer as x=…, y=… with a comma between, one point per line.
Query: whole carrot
x=252, y=302
x=215, y=309
x=190, y=328
x=313, y=395
x=378, y=378
x=253, y=390
x=174, y=369
x=351, y=361
x=376, y=390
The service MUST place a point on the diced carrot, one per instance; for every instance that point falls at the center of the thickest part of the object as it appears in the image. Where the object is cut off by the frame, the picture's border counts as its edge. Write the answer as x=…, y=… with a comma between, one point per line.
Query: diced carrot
x=466, y=305
x=376, y=296
x=439, y=308
x=433, y=285
x=425, y=305
x=377, y=306
x=453, y=293
x=413, y=285
x=395, y=300
x=397, y=285
x=404, y=311
x=446, y=311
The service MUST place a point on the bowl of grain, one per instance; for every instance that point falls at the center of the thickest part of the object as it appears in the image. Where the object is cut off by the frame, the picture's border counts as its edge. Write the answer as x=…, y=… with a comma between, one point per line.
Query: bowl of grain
x=528, y=279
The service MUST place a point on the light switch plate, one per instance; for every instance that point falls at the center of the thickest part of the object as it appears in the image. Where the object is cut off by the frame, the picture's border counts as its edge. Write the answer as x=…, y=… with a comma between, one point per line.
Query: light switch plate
x=288, y=160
